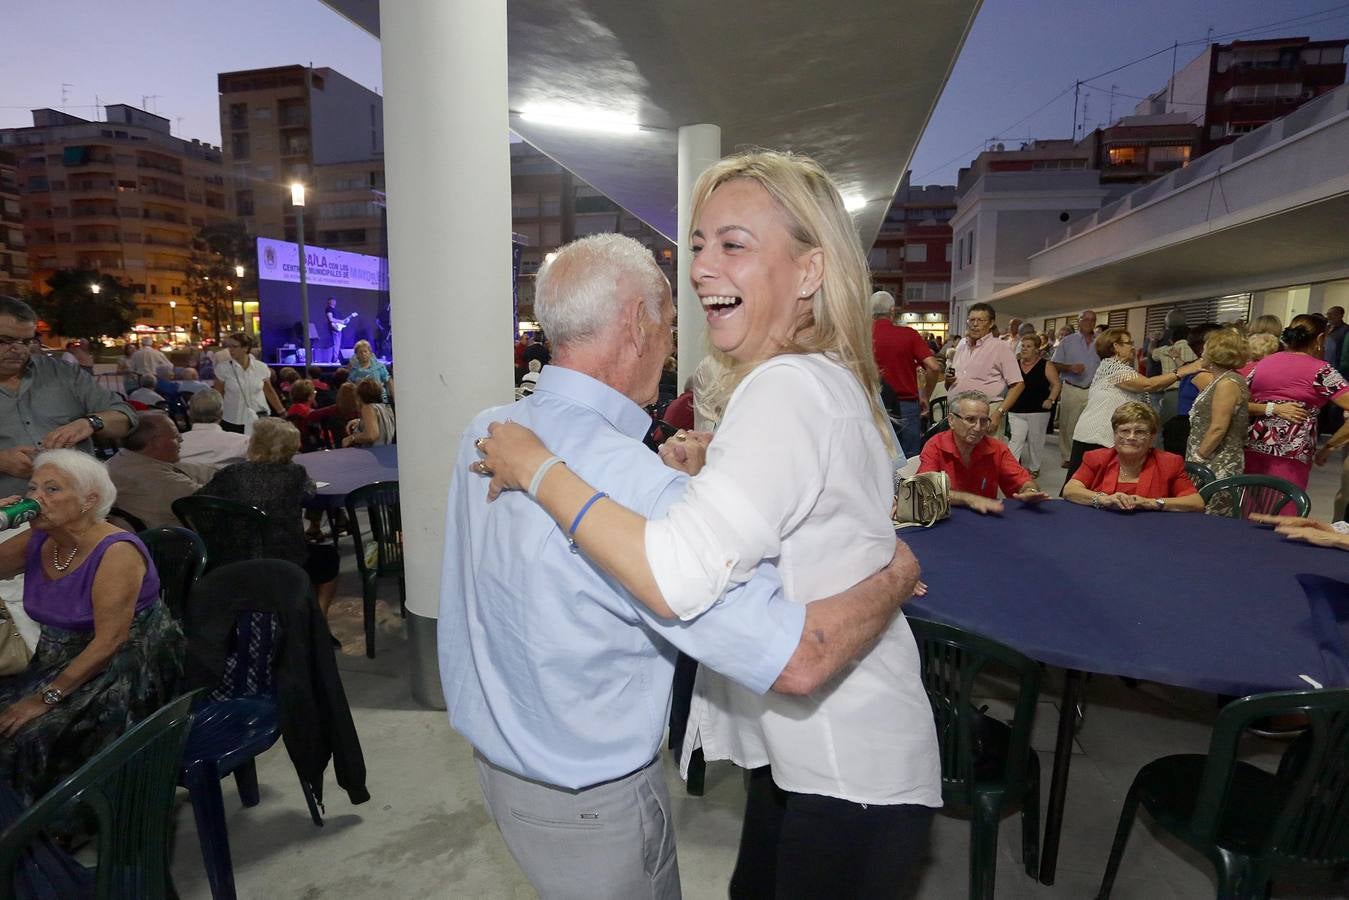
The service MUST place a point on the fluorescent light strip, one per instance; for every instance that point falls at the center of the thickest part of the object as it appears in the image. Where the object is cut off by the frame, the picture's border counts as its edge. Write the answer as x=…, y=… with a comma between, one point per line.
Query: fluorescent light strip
x=852, y=202
x=580, y=119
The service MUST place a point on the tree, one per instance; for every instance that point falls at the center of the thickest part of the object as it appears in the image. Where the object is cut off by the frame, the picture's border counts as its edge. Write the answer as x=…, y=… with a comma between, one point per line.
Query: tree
x=213, y=283
x=83, y=303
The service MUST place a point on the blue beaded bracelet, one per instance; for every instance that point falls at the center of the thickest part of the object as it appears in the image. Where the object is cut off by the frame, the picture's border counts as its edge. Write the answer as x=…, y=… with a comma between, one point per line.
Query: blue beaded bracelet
x=571, y=532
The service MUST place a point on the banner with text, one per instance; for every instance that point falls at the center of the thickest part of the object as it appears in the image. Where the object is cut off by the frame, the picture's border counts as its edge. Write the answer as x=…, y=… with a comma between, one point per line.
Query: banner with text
x=280, y=261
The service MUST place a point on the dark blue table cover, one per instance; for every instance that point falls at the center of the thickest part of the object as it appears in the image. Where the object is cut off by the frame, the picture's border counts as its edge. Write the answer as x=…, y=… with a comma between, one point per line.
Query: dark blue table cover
x=1185, y=599
x=346, y=469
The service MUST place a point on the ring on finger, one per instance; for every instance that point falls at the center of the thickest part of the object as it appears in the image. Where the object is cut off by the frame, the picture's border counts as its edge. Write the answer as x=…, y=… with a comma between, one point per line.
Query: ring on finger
x=477, y=445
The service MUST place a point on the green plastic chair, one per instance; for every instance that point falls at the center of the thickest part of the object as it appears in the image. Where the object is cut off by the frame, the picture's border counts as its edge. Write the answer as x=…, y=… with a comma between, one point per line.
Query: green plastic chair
x=232, y=531
x=180, y=559
x=987, y=766
x=1258, y=494
x=129, y=789
x=936, y=428
x=1200, y=474
x=380, y=501
x=1252, y=825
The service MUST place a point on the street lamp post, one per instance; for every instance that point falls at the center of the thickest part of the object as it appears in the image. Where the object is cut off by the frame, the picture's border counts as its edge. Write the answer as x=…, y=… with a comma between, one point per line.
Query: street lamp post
x=297, y=200
x=173, y=305
x=243, y=318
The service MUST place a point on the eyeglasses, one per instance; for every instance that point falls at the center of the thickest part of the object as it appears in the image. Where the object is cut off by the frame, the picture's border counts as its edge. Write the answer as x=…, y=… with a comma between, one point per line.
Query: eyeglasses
x=1134, y=432
x=974, y=323
x=25, y=343
x=974, y=421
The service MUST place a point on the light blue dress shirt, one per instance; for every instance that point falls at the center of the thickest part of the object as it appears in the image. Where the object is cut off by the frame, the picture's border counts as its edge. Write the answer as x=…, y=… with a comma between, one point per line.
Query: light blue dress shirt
x=1075, y=349
x=550, y=669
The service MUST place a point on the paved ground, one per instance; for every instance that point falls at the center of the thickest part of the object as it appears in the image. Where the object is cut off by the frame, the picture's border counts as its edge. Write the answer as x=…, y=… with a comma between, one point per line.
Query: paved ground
x=424, y=832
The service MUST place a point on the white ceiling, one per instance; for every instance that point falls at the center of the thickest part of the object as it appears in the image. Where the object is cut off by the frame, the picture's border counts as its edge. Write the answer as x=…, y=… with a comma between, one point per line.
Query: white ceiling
x=850, y=82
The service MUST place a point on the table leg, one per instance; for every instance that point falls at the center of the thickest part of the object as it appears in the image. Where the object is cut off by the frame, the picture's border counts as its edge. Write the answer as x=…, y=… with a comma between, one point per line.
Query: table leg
x=1058, y=782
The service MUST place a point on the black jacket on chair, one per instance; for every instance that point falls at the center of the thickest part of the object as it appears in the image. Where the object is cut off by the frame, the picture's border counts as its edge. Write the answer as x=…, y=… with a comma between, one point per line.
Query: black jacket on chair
x=316, y=722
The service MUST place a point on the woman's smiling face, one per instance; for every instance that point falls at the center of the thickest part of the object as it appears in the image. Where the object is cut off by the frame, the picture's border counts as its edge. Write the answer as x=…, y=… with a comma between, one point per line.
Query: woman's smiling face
x=753, y=288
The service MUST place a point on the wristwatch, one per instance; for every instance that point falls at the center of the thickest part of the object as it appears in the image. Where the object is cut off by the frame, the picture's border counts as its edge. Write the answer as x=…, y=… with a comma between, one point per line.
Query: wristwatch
x=95, y=422
x=1160, y=503
x=52, y=696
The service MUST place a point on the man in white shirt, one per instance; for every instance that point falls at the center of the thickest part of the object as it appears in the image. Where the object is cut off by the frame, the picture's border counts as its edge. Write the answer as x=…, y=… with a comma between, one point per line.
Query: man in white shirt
x=207, y=443
x=146, y=393
x=147, y=360
x=148, y=475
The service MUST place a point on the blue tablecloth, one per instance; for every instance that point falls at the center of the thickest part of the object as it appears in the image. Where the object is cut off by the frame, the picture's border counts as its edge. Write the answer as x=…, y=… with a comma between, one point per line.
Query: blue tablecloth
x=339, y=472
x=1183, y=599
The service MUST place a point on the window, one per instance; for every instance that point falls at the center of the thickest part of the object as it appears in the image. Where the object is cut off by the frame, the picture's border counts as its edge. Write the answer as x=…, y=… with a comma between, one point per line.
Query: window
x=176, y=291
x=243, y=203
x=915, y=253
x=263, y=113
x=239, y=145
x=525, y=206
x=238, y=116
x=1117, y=318
x=877, y=258
x=948, y=252
x=913, y=291
x=969, y=261
x=1126, y=156
x=960, y=254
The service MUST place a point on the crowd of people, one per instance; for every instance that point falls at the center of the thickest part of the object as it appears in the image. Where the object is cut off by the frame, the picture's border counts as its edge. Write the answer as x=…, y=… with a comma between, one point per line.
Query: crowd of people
x=78, y=582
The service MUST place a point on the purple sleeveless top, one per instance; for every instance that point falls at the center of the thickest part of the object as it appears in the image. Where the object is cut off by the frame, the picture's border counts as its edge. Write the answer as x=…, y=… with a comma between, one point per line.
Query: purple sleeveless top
x=67, y=602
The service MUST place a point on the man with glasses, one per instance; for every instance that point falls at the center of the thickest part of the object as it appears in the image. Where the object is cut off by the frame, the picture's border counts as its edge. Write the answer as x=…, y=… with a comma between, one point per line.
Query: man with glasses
x=977, y=466
x=1075, y=358
x=45, y=404
x=987, y=365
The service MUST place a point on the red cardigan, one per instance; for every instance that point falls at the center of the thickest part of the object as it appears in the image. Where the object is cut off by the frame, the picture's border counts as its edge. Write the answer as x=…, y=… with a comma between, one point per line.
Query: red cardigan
x=1163, y=474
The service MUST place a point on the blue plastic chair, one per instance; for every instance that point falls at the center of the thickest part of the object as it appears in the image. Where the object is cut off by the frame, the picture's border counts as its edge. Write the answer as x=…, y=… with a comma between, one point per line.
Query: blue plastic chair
x=239, y=720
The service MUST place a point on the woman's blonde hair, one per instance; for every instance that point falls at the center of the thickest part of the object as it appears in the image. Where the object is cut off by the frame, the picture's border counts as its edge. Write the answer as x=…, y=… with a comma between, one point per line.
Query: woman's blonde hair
x=1135, y=412
x=359, y=346
x=1262, y=344
x=838, y=324
x=273, y=441
x=1226, y=348
x=1267, y=324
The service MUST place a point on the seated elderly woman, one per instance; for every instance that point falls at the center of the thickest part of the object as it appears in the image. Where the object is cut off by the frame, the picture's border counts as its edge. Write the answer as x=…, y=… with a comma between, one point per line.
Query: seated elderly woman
x=273, y=482
x=374, y=424
x=1132, y=475
x=109, y=654
x=977, y=464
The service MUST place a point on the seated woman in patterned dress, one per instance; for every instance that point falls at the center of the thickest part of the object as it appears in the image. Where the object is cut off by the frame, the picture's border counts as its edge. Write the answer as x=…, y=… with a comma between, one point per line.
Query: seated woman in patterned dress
x=109, y=655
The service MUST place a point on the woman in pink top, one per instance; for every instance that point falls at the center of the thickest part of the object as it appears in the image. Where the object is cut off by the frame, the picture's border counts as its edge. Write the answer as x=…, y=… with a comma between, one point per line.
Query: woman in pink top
x=1298, y=375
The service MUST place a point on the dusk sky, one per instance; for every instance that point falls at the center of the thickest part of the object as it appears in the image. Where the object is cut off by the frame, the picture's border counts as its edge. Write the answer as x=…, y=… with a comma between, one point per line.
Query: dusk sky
x=1014, y=62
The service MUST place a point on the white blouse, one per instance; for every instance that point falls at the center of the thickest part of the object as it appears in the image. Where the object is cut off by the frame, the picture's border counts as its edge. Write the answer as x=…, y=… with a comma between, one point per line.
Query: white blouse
x=1103, y=398
x=243, y=389
x=798, y=474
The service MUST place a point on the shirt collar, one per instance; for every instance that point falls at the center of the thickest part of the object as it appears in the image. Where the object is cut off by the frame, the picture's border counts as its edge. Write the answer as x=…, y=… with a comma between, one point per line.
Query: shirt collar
x=206, y=426
x=577, y=387
x=980, y=342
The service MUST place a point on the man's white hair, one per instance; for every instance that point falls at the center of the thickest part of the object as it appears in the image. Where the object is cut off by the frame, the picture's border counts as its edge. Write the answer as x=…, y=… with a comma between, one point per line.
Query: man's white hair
x=882, y=303
x=87, y=476
x=577, y=292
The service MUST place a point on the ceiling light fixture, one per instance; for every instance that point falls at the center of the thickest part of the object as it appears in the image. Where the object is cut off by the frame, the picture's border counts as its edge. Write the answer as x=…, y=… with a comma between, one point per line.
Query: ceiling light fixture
x=852, y=202
x=581, y=119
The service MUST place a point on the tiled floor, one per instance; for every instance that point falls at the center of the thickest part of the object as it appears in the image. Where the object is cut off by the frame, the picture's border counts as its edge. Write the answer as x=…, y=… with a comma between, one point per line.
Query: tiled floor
x=424, y=832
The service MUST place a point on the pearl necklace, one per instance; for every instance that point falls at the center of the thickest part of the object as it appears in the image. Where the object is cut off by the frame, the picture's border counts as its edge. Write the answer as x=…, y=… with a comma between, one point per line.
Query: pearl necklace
x=56, y=557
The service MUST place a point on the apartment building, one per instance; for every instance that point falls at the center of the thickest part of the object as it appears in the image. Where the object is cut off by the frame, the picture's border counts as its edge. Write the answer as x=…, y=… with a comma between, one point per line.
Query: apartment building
x=912, y=255
x=13, y=256
x=315, y=125
x=122, y=196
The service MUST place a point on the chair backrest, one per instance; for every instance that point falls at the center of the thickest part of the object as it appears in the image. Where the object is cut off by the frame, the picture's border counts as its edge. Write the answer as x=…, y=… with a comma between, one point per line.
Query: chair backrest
x=1258, y=494
x=951, y=659
x=231, y=530
x=180, y=559
x=937, y=409
x=1199, y=473
x=125, y=520
x=937, y=427
x=129, y=788
x=380, y=500
x=1311, y=828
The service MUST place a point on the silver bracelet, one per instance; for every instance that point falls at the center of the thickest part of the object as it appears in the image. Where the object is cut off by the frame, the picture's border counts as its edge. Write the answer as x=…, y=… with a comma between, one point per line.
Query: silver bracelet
x=540, y=472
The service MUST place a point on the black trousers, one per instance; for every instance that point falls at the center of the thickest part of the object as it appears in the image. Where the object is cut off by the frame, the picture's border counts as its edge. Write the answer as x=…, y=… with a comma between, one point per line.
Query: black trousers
x=808, y=846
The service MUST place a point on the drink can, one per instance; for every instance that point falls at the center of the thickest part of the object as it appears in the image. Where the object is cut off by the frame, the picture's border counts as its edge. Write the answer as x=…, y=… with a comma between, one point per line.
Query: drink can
x=16, y=514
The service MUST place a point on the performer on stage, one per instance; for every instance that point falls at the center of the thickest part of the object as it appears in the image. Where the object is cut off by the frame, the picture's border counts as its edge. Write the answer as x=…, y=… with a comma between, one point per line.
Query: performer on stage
x=335, y=325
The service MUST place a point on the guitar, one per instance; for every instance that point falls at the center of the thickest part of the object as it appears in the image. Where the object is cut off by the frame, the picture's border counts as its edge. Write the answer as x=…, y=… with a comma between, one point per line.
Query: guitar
x=337, y=326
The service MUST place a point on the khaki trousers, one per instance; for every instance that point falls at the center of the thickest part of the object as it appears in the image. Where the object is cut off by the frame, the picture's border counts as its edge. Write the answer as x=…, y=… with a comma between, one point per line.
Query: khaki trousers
x=1072, y=400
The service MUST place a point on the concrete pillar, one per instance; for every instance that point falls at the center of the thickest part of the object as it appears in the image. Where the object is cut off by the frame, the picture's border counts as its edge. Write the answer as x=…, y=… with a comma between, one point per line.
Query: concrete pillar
x=1317, y=301
x=699, y=148
x=447, y=165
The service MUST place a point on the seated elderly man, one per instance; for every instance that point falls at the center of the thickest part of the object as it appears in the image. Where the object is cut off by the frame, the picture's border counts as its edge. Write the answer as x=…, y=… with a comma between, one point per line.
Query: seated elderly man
x=976, y=464
x=165, y=381
x=149, y=476
x=146, y=393
x=190, y=383
x=208, y=444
